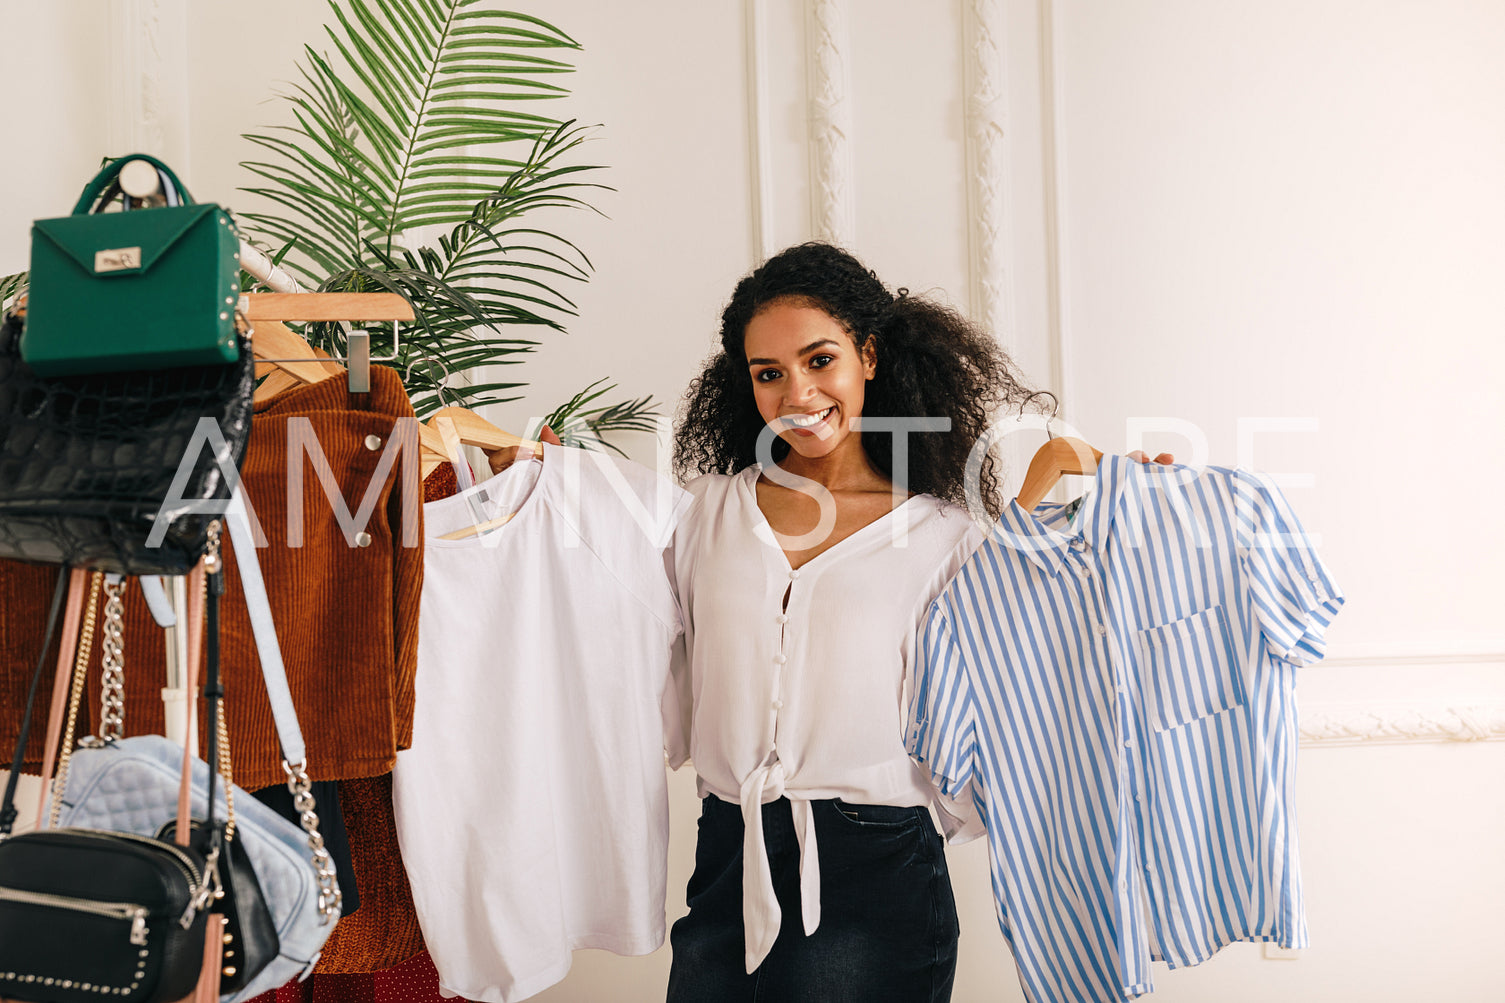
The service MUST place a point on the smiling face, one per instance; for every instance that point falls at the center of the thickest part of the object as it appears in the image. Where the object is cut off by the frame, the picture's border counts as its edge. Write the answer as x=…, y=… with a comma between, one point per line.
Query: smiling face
x=809, y=378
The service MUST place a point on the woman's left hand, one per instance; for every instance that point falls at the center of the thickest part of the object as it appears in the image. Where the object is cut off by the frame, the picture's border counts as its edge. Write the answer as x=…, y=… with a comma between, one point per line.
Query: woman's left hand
x=501, y=459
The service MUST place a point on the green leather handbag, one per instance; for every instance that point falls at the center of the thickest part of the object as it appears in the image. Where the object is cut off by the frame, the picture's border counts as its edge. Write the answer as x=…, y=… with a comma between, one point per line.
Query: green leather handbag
x=143, y=289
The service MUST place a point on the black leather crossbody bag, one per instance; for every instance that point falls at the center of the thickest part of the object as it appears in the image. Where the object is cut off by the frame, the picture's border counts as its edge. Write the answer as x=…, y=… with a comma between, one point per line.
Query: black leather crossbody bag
x=90, y=915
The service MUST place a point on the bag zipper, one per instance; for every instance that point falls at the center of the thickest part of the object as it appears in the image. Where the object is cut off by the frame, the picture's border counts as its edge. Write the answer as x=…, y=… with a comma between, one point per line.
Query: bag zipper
x=115, y=910
x=200, y=893
x=184, y=861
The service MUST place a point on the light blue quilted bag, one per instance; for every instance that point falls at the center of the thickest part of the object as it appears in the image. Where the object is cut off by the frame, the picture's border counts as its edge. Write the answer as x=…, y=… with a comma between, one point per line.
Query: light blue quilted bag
x=131, y=785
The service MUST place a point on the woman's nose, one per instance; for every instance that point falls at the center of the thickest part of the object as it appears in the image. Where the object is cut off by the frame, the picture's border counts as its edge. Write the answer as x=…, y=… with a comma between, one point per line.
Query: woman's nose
x=800, y=388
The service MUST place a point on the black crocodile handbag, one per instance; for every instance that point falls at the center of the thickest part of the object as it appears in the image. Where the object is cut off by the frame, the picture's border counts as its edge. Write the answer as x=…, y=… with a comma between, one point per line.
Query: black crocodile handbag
x=112, y=471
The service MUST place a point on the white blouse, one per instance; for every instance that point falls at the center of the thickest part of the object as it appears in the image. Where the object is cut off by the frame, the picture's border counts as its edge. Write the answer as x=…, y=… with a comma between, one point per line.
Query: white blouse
x=805, y=701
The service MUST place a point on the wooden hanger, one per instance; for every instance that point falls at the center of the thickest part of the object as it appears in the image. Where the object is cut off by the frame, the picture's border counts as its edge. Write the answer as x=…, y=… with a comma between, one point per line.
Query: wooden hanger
x=325, y=306
x=1051, y=462
x=466, y=532
x=273, y=340
x=474, y=430
x=266, y=308
x=465, y=427
x=298, y=362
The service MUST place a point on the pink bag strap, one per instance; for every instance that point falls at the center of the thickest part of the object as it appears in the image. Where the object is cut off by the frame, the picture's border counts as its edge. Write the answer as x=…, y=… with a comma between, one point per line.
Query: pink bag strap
x=68, y=667
x=195, y=651
x=62, y=682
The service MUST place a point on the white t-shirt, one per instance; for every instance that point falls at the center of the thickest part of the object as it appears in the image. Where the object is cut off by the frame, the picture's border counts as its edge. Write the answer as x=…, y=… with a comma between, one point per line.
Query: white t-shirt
x=808, y=701
x=532, y=808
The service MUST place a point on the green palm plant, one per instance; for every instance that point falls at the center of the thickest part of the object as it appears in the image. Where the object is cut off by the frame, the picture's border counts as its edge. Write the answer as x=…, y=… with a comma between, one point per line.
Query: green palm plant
x=10, y=285
x=409, y=167
x=581, y=421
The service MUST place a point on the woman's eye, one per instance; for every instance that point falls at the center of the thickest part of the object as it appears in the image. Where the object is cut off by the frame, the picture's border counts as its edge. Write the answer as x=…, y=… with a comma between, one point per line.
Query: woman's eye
x=766, y=375
x=821, y=361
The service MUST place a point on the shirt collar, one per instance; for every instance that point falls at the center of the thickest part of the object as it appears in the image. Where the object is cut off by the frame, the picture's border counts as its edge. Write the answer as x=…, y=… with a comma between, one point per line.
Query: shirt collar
x=1047, y=540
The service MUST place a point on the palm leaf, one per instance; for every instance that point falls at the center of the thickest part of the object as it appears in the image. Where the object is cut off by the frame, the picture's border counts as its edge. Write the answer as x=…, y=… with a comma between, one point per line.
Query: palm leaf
x=432, y=114
x=12, y=285
x=579, y=424
x=414, y=91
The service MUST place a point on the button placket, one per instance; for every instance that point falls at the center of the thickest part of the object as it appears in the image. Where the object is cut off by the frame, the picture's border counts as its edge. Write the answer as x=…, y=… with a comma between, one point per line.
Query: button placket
x=1095, y=582
x=780, y=660
x=1135, y=761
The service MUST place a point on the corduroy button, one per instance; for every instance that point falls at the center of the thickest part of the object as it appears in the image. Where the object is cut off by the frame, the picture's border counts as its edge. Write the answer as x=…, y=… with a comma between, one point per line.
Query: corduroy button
x=373, y=442
x=363, y=539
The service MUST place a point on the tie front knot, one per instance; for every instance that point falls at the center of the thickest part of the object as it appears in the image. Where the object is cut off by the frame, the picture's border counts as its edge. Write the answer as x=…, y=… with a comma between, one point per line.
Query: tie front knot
x=760, y=906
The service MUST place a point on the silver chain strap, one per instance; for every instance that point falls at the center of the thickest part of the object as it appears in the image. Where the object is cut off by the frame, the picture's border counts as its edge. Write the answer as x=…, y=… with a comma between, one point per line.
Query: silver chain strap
x=303, y=802
x=112, y=649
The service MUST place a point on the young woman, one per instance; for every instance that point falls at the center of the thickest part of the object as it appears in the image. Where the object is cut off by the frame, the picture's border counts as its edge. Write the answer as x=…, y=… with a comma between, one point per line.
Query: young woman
x=817, y=539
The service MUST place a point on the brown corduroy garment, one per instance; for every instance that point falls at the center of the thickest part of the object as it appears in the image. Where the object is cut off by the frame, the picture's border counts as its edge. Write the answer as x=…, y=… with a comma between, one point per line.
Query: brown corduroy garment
x=25, y=593
x=384, y=931
x=346, y=616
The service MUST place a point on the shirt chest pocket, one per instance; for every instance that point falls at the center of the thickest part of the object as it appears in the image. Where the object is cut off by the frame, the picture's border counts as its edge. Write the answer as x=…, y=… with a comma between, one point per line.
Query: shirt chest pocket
x=1189, y=669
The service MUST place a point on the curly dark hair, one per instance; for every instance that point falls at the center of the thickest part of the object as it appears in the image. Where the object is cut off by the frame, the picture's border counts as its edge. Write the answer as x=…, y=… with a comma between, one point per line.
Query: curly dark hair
x=932, y=362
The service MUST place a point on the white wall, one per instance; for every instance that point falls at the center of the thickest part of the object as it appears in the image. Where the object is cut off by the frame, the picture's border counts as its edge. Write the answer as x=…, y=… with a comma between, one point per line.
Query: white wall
x=1216, y=213
x=55, y=115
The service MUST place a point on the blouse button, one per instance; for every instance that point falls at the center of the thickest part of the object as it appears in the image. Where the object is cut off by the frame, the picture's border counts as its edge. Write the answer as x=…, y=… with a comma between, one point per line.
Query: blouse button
x=793, y=575
x=781, y=618
x=780, y=659
x=778, y=705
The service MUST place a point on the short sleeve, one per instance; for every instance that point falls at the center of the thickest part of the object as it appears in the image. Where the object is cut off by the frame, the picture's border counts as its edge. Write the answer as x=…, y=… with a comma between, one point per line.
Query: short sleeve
x=942, y=720
x=1294, y=595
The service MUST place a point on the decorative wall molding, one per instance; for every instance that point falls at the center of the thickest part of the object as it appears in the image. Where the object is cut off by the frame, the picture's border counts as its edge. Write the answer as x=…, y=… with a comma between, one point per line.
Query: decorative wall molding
x=1404, y=721
x=1053, y=177
x=1483, y=652
x=1401, y=725
x=130, y=58
x=988, y=174
x=760, y=144
x=830, y=116
x=148, y=72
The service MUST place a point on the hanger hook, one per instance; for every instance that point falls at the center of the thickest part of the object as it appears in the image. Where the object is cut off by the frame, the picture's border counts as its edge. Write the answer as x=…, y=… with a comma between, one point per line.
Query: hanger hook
x=1055, y=407
x=442, y=389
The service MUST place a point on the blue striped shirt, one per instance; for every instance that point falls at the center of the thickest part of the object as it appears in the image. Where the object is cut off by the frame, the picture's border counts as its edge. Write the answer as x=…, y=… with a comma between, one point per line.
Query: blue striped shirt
x=1115, y=685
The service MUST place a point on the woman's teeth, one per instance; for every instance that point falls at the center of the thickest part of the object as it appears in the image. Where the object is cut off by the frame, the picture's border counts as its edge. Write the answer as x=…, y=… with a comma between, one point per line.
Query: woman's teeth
x=807, y=420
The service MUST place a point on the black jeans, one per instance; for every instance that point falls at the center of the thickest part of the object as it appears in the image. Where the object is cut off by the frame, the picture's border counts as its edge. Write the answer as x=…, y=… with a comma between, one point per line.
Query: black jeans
x=887, y=931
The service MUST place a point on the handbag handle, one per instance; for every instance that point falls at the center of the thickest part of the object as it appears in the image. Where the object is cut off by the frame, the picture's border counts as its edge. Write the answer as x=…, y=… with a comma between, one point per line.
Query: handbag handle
x=111, y=171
